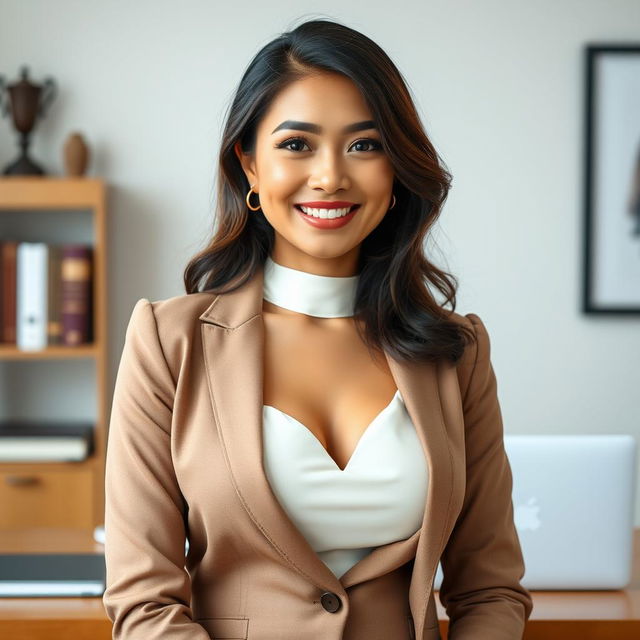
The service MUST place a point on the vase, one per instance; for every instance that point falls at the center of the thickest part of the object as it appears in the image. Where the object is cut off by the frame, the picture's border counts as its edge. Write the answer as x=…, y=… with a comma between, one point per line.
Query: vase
x=76, y=155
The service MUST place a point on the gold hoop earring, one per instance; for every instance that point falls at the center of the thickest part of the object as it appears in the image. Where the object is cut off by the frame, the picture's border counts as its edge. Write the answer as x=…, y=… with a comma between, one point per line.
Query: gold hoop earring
x=394, y=201
x=247, y=200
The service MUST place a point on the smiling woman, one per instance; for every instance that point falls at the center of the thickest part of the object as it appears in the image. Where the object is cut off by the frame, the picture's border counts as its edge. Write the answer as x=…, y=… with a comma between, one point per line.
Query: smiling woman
x=334, y=160
x=311, y=419
x=322, y=118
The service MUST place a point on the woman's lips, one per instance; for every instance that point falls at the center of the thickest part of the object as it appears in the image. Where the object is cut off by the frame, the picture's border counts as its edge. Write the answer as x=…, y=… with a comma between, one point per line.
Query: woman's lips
x=351, y=206
x=327, y=204
x=327, y=223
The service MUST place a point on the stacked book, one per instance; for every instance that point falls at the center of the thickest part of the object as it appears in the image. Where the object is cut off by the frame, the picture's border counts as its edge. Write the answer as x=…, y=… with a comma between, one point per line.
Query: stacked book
x=45, y=294
x=45, y=440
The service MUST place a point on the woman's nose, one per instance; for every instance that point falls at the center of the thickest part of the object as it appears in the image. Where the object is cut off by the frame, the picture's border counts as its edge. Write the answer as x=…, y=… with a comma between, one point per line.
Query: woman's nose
x=329, y=172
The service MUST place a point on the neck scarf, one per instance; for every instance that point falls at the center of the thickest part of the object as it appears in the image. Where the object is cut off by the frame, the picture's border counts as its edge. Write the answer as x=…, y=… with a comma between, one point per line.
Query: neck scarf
x=309, y=293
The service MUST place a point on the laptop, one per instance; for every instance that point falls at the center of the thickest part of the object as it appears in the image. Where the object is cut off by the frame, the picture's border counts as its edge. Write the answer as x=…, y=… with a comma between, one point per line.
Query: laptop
x=573, y=499
x=38, y=575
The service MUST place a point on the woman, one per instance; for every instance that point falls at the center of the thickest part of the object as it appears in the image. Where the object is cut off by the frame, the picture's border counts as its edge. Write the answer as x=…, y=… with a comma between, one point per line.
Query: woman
x=318, y=428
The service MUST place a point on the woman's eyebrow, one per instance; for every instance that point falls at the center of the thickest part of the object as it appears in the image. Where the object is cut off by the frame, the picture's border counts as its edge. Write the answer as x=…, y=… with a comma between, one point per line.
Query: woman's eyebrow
x=314, y=128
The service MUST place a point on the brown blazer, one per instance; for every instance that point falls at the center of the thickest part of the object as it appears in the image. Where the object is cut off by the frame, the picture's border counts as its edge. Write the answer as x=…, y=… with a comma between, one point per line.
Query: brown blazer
x=184, y=458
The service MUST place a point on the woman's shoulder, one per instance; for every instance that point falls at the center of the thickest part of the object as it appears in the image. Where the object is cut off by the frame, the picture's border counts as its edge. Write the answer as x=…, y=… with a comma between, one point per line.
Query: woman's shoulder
x=178, y=312
x=477, y=351
x=175, y=322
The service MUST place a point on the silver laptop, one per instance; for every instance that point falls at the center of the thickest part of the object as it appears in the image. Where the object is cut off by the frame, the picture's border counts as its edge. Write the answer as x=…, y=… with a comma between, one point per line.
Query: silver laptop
x=573, y=498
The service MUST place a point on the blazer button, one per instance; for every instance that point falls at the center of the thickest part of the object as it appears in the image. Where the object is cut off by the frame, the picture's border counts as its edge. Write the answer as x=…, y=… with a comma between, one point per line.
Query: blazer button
x=330, y=601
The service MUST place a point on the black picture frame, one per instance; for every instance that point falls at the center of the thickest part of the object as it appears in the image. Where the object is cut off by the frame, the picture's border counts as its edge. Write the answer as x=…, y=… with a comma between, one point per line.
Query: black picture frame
x=611, y=249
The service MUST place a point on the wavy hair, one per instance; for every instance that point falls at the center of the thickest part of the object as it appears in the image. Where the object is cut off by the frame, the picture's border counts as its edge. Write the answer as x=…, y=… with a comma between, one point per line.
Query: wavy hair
x=394, y=302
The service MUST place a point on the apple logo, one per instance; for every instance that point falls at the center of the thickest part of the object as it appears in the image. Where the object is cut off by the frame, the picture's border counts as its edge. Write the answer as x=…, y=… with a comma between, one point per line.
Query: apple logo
x=526, y=515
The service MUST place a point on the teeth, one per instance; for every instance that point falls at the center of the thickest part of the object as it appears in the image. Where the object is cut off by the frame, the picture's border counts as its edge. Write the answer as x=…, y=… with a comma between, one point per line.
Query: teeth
x=326, y=213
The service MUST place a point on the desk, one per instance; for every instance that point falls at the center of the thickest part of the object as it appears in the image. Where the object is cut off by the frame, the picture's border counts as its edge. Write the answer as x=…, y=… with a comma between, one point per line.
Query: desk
x=582, y=615
x=557, y=615
x=52, y=618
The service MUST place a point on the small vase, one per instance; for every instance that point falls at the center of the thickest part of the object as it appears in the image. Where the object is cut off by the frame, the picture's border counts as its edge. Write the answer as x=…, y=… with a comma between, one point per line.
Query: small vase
x=76, y=155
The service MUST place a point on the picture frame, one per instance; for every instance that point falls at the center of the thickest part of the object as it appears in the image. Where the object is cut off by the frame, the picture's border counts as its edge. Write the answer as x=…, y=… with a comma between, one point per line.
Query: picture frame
x=611, y=249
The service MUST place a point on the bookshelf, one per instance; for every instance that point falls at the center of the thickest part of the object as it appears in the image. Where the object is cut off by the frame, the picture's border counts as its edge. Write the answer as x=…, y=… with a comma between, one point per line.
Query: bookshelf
x=57, y=382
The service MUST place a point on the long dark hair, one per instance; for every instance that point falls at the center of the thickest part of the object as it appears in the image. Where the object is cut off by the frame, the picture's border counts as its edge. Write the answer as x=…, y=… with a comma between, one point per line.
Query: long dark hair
x=393, y=300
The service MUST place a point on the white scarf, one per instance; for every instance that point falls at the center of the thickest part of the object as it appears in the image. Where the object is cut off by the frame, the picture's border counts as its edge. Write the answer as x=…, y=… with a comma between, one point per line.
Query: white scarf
x=309, y=293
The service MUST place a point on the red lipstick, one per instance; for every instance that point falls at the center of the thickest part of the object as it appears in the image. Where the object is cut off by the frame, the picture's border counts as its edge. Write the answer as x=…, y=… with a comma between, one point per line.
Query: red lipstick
x=323, y=204
x=327, y=223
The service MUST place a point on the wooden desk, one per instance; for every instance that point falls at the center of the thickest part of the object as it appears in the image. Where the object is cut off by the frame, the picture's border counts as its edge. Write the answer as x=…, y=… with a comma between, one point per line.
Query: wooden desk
x=565, y=615
x=52, y=618
x=582, y=615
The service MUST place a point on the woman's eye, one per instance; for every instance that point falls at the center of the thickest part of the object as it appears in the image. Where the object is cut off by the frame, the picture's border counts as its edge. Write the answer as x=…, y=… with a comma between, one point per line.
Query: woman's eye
x=292, y=141
x=375, y=145
x=298, y=144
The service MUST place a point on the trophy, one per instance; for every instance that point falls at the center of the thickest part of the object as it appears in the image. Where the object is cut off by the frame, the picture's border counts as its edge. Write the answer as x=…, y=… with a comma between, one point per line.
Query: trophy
x=26, y=101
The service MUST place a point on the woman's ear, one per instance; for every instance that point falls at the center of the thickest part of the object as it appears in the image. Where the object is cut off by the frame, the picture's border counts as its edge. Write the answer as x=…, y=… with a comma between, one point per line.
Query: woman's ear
x=247, y=163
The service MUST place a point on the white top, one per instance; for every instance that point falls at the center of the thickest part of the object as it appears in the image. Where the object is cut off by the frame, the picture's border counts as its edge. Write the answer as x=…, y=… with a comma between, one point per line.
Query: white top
x=378, y=498
x=380, y=495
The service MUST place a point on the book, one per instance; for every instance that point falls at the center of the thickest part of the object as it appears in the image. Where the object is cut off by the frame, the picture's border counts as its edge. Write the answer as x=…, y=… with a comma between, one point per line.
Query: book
x=31, y=291
x=46, y=294
x=45, y=440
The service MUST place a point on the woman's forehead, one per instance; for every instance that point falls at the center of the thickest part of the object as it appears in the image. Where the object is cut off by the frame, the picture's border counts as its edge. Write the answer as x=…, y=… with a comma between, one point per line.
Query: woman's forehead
x=330, y=101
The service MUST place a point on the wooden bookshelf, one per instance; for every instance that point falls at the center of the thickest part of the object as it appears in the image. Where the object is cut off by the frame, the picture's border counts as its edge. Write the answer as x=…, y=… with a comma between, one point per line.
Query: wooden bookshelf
x=60, y=494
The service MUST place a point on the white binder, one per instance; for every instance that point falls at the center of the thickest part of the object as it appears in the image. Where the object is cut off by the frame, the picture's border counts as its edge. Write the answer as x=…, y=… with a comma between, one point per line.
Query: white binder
x=31, y=295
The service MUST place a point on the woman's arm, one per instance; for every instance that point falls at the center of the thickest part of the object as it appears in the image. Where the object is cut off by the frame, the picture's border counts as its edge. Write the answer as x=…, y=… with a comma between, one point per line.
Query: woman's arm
x=482, y=563
x=148, y=589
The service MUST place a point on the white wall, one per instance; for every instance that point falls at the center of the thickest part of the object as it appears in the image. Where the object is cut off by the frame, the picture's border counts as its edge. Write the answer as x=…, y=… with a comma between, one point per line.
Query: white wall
x=500, y=87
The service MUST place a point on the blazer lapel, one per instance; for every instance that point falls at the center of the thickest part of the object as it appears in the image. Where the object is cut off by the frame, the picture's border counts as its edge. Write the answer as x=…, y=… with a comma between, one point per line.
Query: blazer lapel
x=233, y=344
x=233, y=341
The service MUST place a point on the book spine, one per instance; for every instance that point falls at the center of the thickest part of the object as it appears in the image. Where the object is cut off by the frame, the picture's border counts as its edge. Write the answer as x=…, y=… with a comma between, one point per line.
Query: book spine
x=9, y=251
x=31, y=289
x=54, y=327
x=75, y=293
x=2, y=291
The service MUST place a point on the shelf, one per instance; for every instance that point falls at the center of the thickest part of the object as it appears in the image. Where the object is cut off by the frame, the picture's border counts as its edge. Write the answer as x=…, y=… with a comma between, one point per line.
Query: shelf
x=30, y=466
x=11, y=352
x=58, y=210
x=46, y=192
